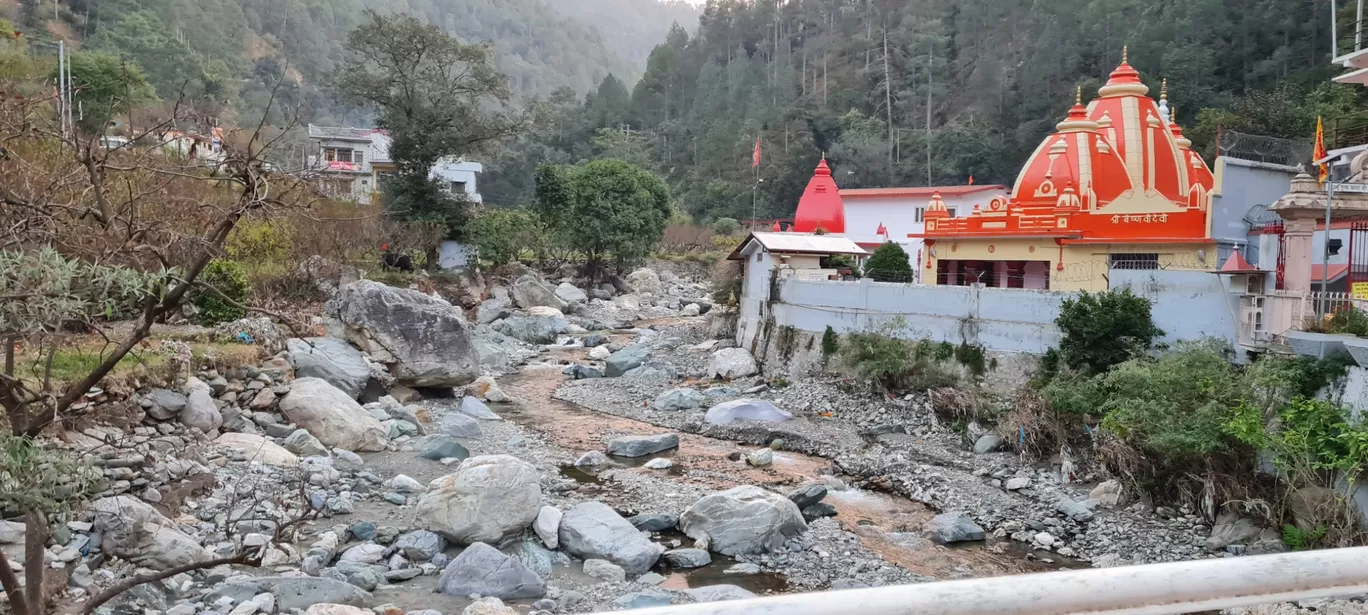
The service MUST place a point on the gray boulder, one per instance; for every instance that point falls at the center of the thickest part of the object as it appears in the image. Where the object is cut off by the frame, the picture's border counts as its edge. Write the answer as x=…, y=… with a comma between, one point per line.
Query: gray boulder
x=201, y=412
x=687, y=558
x=420, y=545
x=953, y=526
x=730, y=363
x=489, y=498
x=807, y=495
x=987, y=443
x=442, y=447
x=472, y=406
x=530, y=291
x=569, y=293
x=745, y=410
x=331, y=359
x=493, y=309
x=164, y=404
x=302, y=443
x=460, y=425
x=482, y=569
x=1232, y=529
x=604, y=570
x=1078, y=511
x=743, y=520
x=644, y=280
x=592, y=530
x=297, y=592
x=425, y=340
x=131, y=529
x=654, y=522
x=625, y=360
x=718, y=593
x=675, y=400
x=332, y=416
x=641, y=446
x=536, y=328
x=643, y=599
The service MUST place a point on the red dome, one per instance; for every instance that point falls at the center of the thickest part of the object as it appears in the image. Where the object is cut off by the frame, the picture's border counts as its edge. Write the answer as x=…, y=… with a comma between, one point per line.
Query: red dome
x=820, y=205
x=1076, y=156
x=1132, y=123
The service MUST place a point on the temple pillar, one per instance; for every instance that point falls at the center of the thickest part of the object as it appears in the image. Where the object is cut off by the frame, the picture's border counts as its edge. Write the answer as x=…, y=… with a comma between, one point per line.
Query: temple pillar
x=1298, y=235
x=1302, y=209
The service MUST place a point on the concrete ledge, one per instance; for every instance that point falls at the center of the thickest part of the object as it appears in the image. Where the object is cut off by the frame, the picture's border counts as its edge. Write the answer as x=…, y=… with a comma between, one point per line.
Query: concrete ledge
x=1357, y=348
x=1318, y=345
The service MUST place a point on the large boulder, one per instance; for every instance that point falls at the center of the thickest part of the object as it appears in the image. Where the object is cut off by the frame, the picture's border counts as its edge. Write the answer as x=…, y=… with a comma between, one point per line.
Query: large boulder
x=742, y=520
x=953, y=526
x=489, y=498
x=675, y=400
x=641, y=446
x=569, y=293
x=592, y=530
x=644, y=280
x=131, y=529
x=493, y=309
x=332, y=416
x=625, y=360
x=719, y=593
x=482, y=569
x=541, y=327
x=530, y=291
x=331, y=359
x=425, y=340
x=257, y=449
x=1232, y=529
x=732, y=363
x=164, y=404
x=745, y=410
x=201, y=412
x=293, y=592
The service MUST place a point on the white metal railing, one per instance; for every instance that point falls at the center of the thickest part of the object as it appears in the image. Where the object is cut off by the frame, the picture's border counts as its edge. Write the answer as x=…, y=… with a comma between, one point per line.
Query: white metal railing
x=1266, y=317
x=1155, y=589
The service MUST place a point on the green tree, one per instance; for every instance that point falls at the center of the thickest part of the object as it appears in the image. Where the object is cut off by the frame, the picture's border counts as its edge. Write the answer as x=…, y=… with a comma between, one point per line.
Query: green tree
x=889, y=264
x=1099, y=330
x=502, y=235
x=605, y=208
x=106, y=86
x=436, y=96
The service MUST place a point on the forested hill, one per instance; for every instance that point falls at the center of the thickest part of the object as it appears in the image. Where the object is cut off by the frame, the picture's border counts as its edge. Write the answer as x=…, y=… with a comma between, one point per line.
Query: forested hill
x=877, y=83
x=230, y=49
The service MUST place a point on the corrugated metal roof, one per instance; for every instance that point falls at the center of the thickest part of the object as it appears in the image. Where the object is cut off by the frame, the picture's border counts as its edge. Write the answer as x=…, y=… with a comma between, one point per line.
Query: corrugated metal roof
x=800, y=243
x=342, y=132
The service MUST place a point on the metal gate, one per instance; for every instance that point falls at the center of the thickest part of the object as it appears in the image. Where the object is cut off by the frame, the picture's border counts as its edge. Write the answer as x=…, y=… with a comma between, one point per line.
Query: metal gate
x=1358, y=259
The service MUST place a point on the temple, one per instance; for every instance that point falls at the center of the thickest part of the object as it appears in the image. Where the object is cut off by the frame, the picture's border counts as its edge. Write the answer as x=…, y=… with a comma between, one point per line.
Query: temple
x=820, y=209
x=1116, y=185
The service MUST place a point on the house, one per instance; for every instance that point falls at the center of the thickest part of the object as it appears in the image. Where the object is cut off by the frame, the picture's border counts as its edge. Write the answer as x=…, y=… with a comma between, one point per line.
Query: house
x=1115, y=186
x=796, y=255
x=876, y=215
x=352, y=162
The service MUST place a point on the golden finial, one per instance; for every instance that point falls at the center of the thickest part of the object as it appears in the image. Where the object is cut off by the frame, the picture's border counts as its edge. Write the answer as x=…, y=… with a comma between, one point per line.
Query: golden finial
x=1163, y=89
x=1124, y=50
x=1078, y=95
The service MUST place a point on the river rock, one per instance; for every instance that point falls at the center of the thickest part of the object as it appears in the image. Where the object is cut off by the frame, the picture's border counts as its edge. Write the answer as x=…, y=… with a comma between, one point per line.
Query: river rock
x=423, y=339
x=654, y=522
x=483, y=570
x=489, y=498
x=531, y=291
x=547, y=526
x=1232, y=529
x=731, y=363
x=1078, y=511
x=593, y=459
x=460, y=425
x=592, y=530
x=604, y=570
x=440, y=447
x=718, y=593
x=987, y=443
x=625, y=360
x=493, y=309
x=643, y=599
x=487, y=389
x=164, y=404
x=293, y=592
x=420, y=545
x=569, y=293
x=807, y=495
x=535, y=329
x=675, y=400
x=471, y=406
x=1017, y=482
x=687, y=558
x=1108, y=493
x=301, y=442
x=201, y=412
x=745, y=410
x=331, y=359
x=954, y=526
x=641, y=446
x=133, y=530
x=644, y=280
x=742, y=520
x=332, y=416
x=257, y=449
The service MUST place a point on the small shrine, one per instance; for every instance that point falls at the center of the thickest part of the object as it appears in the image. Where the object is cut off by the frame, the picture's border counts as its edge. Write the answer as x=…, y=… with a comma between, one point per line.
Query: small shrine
x=1116, y=185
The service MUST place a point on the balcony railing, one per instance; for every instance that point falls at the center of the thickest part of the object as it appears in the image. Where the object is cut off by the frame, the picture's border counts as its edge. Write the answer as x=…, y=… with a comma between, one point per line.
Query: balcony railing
x=1347, y=131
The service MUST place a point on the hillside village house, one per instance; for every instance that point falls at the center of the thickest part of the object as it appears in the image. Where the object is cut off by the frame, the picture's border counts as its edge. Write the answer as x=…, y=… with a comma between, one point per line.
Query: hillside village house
x=351, y=162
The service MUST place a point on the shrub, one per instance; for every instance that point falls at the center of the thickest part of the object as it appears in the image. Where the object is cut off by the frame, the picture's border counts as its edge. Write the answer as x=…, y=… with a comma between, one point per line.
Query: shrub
x=831, y=343
x=894, y=364
x=260, y=241
x=889, y=264
x=1100, y=330
x=503, y=235
x=726, y=226
x=230, y=280
x=726, y=282
x=1349, y=320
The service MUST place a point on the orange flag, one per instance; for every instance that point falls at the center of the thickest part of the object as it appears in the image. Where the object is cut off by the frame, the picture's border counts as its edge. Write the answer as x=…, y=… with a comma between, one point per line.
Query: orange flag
x=755, y=158
x=971, y=180
x=1319, y=153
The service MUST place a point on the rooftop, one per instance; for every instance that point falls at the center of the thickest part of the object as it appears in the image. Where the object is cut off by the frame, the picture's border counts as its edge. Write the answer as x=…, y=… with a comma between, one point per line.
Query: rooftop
x=342, y=132
x=798, y=243
x=920, y=191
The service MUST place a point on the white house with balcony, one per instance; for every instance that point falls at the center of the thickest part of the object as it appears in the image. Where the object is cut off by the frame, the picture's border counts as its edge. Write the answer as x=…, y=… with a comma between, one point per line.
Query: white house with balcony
x=876, y=215
x=350, y=163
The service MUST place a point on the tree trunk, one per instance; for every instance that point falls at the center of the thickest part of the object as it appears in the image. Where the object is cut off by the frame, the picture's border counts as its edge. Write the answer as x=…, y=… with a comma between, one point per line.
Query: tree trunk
x=888, y=106
x=35, y=547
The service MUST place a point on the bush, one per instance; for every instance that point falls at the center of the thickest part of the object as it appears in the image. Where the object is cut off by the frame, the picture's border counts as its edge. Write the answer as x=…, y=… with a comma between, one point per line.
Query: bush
x=726, y=226
x=889, y=264
x=504, y=235
x=1349, y=320
x=831, y=343
x=726, y=282
x=230, y=280
x=894, y=364
x=257, y=240
x=1100, y=330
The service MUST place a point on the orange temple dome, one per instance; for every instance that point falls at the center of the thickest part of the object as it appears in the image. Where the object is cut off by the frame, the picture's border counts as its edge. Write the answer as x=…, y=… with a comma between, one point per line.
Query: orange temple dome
x=821, y=205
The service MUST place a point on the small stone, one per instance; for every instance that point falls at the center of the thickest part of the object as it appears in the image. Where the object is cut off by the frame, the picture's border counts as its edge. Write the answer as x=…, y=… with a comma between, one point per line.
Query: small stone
x=604, y=570
x=687, y=558
x=659, y=463
x=394, y=498
x=651, y=578
x=403, y=483
x=1020, y=482
x=761, y=457
x=437, y=448
x=743, y=568
x=362, y=530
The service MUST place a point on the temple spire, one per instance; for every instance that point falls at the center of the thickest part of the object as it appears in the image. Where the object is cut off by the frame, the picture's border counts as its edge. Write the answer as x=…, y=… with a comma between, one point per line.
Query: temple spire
x=1078, y=95
x=1125, y=49
x=1164, y=112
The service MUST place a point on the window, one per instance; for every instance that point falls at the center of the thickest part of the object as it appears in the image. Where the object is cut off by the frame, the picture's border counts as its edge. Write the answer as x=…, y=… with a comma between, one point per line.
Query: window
x=921, y=214
x=757, y=256
x=1134, y=261
x=950, y=211
x=458, y=187
x=338, y=154
x=357, y=156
